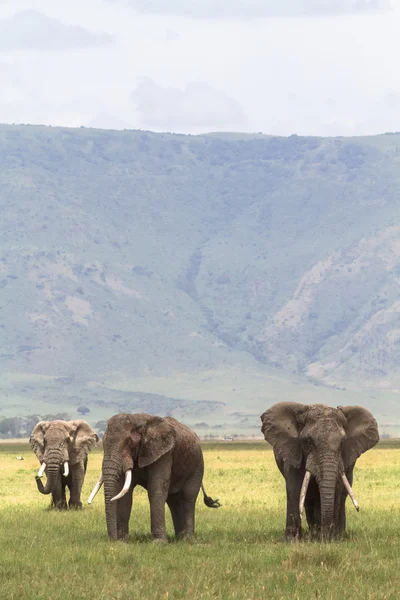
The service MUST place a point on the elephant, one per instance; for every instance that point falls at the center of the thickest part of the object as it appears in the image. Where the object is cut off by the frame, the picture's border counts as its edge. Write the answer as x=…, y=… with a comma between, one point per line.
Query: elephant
x=62, y=448
x=316, y=448
x=163, y=456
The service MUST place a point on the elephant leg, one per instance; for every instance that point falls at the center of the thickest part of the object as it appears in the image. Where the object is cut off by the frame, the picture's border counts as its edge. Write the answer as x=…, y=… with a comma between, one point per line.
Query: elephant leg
x=313, y=507
x=124, y=508
x=175, y=504
x=157, y=495
x=189, y=505
x=182, y=506
x=294, y=479
x=189, y=496
x=158, y=480
x=59, y=499
x=75, y=482
x=313, y=513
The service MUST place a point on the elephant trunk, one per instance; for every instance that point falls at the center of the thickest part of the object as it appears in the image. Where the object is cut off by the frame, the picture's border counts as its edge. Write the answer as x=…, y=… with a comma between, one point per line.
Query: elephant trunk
x=53, y=472
x=112, y=485
x=327, y=489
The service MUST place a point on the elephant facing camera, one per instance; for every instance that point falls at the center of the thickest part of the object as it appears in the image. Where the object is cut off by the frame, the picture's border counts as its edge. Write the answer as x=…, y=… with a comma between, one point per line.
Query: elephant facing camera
x=316, y=448
x=62, y=448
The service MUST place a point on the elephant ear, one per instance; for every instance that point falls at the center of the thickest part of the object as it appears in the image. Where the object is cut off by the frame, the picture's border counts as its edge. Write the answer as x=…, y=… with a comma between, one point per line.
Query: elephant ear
x=84, y=438
x=281, y=426
x=37, y=438
x=361, y=433
x=158, y=437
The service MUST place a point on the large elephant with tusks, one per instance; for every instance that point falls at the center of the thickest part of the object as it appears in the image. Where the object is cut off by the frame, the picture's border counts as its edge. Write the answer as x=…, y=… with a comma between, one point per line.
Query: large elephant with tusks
x=316, y=448
x=62, y=448
x=161, y=455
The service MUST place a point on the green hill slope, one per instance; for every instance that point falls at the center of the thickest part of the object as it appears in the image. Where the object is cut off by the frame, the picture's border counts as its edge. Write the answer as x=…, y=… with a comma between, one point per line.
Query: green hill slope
x=203, y=276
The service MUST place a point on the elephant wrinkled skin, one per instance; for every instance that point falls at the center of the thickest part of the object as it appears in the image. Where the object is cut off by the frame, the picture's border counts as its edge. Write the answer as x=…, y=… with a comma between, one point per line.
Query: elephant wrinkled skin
x=62, y=448
x=316, y=448
x=161, y=455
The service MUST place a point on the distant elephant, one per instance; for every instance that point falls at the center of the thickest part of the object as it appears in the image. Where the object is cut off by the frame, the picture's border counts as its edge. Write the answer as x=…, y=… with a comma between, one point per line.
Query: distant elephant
x=316, y=448
x=161, y=455
x=62, y=448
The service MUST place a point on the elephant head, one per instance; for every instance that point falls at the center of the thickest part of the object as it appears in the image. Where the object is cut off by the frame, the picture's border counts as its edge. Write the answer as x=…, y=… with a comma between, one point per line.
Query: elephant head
x=58, y=444
x=130, y=440
x=324, y=442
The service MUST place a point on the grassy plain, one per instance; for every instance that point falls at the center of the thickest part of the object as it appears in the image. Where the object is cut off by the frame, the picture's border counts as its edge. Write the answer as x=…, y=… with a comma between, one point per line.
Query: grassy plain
x=238, y=552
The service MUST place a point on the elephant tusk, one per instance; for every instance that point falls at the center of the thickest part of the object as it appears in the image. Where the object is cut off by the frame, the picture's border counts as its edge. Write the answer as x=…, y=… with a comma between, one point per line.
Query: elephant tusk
x=303, y=492
x=95, y=489
x=127, y=485
x=66, y=469
x=41, y=470
x=350, y=492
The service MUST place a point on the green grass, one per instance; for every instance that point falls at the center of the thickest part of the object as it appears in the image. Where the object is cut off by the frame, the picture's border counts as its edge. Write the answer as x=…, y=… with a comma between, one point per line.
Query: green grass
x=238, y=552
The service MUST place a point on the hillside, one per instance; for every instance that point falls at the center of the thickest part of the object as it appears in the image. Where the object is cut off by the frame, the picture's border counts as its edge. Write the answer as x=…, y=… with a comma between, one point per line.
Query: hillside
x=200, y=276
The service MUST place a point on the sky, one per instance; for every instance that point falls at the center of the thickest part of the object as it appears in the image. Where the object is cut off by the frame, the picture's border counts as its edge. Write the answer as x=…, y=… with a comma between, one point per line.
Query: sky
x=310, y=67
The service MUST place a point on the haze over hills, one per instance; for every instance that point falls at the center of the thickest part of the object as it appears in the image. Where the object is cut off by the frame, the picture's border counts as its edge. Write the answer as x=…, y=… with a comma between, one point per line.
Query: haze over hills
x=201, y=276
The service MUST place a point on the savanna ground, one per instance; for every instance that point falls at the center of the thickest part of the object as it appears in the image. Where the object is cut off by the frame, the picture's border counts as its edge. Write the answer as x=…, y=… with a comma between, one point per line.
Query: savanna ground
x=238, y=552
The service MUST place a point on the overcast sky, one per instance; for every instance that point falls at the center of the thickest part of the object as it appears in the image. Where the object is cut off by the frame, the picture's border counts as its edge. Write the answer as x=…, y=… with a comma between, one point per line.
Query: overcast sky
x=318, y=67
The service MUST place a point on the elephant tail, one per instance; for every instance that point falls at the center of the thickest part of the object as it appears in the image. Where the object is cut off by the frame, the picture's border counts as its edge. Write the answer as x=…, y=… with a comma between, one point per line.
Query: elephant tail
x=208, y=501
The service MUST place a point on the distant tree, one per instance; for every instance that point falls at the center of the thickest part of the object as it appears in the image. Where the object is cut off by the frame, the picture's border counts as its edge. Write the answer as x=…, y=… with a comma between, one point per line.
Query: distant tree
x=83, y=410
x=100, y=427
x=57, y=417
x=10, y=427
x=30, y=423
x=20, y=427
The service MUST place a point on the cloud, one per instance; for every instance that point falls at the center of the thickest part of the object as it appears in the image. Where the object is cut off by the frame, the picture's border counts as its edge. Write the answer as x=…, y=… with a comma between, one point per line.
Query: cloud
x=257, y=8
x=198, y=107
x=171, y=35
x=392, y=101
x=32, y=30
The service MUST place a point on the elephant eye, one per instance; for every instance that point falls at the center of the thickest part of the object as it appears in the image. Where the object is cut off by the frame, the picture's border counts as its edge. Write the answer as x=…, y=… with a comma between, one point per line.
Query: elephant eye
x=306, y=441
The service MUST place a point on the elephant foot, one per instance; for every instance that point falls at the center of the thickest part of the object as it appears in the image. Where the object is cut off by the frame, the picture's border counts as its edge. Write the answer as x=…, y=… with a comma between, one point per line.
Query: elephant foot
x=334, y=536
x=116, y=539
x=61, y=505
x=122, y=535
x=293, y=535
x=183, y=536
x=76, y=505
x=314, y=531
x=160, y=540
